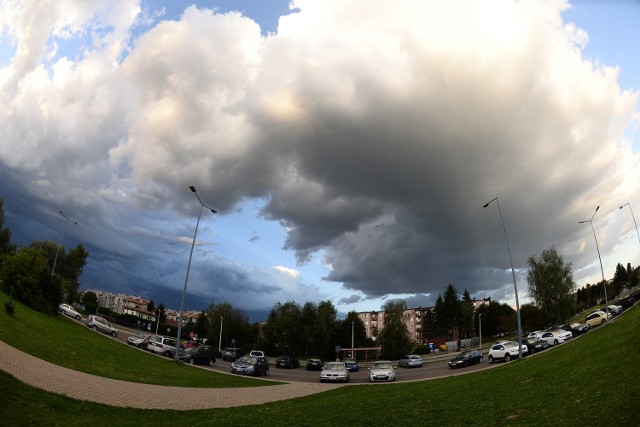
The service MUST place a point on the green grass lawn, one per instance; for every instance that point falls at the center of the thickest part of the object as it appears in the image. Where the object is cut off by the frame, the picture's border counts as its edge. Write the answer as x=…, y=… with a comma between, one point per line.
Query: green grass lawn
x=60, y=340
x=593, y=380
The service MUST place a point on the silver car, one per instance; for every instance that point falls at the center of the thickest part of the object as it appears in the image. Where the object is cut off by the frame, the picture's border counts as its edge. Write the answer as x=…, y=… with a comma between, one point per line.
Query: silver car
x=97, y=323
x=69, y=311
x=410, y=361
x=334, y=371
x=382, y=370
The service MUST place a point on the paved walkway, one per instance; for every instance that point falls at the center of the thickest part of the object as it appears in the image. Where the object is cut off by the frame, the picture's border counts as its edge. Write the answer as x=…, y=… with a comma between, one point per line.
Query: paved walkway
x=78, y=385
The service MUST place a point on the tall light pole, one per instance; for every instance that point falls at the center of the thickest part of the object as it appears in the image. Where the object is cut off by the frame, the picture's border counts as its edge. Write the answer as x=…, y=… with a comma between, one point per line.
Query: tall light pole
x=55, y=259
x=352, y=336
x=604, y=282
x=480, y=327
x=186, y=279
x=634, y=219
x=220, y=339
x=515, y=286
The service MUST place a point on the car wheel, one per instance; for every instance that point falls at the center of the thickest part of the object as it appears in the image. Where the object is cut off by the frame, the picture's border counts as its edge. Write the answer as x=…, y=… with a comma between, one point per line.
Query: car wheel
x=167, y=354
x=94, y=328
x=481, y=359
x=602, y=323
x=113, y=333
x=490, y=359
x=556, y=342
x=78, y=317
x=191, y=361
x=212, y=361
x=507, y=357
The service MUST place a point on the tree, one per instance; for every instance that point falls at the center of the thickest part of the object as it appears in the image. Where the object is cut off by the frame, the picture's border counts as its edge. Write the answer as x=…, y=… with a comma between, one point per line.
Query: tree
x=284, y=330
x=27, y=277
x=467, y=312
x=451, y=310
x=551, y=285
x=619, y=281
x=359, y=332
x=5, y=234
x=394, y=336
x=234, y=324
x=532, y=317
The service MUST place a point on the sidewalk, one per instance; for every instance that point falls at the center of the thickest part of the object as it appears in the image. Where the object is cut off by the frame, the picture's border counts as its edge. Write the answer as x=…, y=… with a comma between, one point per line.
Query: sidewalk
x=78, y=385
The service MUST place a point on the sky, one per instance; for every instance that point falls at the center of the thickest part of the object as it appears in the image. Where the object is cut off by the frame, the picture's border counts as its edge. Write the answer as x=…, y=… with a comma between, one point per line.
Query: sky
x=347, y=147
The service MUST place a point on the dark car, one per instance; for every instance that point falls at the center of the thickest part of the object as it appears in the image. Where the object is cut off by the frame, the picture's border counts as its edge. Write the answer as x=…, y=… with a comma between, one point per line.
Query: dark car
x=287, y=362
x=250, y=365
x=231, y=354
x=579, y=328
x=466, y=358
x=203, y=355
x=352, y=365
x=314, y=365
x=535, y=345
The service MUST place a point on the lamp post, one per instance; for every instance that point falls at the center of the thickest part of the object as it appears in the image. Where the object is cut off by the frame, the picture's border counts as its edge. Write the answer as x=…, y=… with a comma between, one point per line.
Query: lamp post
x=480, y=327
x=352, y=336
x=186, y=279
x=604, y=282
x=220, y=339
x=55, y=259
x=515, y=286
x=634, y=219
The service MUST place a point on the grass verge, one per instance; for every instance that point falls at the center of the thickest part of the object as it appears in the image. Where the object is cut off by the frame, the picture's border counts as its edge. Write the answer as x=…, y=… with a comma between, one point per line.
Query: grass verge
x=62, y=341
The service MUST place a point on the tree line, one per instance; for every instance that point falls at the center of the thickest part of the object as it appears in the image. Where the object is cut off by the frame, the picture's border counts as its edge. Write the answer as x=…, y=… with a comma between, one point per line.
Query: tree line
x=27, y=273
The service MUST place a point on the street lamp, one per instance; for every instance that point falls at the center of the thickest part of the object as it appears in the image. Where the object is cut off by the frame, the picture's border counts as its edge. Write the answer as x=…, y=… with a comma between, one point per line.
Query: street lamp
x=220, y=339
x=515, y=286
x=55, y=259
x=480, y=327
x=352, y=335
x=604, y=282
x=186, y=279
x=634, y=219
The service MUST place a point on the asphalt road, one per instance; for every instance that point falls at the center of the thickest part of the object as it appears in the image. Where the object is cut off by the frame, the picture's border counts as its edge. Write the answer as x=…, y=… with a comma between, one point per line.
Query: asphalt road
x=435, y=366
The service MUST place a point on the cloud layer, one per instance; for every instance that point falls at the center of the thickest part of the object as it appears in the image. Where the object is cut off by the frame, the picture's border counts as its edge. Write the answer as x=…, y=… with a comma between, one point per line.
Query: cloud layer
x=374, y=132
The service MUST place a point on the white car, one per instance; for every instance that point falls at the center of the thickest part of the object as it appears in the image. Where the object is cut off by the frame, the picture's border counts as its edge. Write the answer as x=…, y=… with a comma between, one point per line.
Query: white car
x=69, y=311
x=506, y=350
x=382, y=370
x=258, y=353
x=536, y=334
x=334, y=371
x=615, y=309
x=140, y=341
x=556, y=337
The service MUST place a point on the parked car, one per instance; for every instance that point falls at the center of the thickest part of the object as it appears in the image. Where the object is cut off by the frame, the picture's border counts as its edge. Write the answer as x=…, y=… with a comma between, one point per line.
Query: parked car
x=535, y=345
x=626, y=302
x=258, y=353
x=596, y=318
x=203, y=355
x=382, y=370
x=314, y=365
x=557, y=336
x=250, y=365
x=69, y=311
x=97, y=323
x=289, y=362
x=352, y=365
x=466, y=358
x=231, y=354
x=140, y=341
x=506, y=350
x=535, y=334
x=334, y=371
x=578, y=328
x=410, y=361
x=165, y=346
x=615, y=309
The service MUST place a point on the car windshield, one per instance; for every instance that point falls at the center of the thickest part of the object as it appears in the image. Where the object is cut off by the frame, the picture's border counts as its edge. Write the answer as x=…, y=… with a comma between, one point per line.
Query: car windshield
x=462, y=355
x=382, y=365
x=334, y=366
